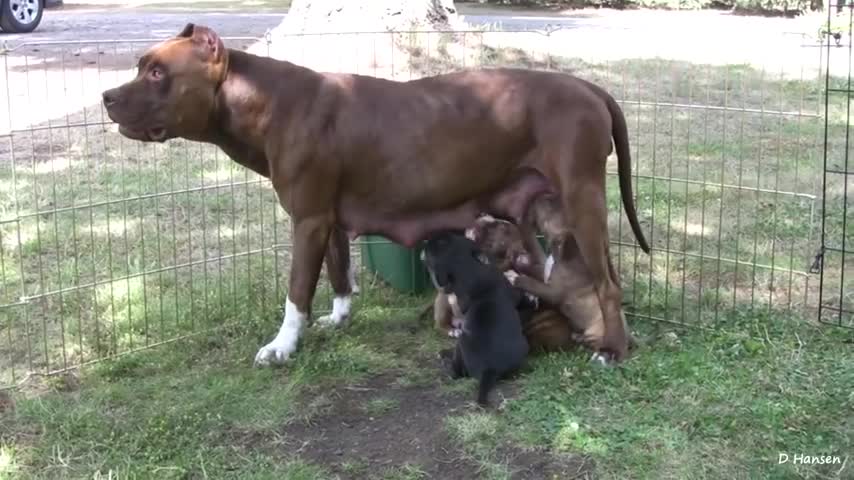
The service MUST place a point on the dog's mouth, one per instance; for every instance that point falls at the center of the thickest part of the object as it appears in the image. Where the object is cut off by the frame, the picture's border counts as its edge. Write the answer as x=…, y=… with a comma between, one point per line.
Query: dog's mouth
x=155, y=134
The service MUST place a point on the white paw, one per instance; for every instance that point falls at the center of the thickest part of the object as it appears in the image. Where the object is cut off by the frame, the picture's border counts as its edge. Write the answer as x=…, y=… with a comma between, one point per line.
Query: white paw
x=340, y=313
x=599, y=358
x=274, y=353
x=511, y=276
x=280, y=349
x=455, y=332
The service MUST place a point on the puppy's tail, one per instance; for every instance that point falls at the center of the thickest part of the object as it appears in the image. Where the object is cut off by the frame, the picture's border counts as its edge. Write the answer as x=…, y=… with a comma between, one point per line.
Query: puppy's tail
x=487, y=382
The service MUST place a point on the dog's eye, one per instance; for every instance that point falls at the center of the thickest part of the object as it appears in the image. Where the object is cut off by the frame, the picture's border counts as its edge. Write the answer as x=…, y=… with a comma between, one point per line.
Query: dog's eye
x=155, y=73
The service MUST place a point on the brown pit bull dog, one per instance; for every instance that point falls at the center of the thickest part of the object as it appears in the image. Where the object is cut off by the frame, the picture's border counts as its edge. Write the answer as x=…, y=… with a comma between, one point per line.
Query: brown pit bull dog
x=350, y=155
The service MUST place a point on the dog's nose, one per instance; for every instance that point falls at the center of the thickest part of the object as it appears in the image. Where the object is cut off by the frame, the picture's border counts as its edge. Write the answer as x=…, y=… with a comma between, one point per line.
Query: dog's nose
x=109, y=97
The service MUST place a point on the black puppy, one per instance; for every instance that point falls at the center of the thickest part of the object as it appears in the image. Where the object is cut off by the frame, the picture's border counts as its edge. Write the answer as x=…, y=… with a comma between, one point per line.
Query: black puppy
x=492, y=343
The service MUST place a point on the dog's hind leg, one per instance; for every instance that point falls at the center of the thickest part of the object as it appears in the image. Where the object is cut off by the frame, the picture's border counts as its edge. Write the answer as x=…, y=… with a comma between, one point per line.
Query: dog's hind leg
x=341, y=276
x=588, y=213
x=487, y=382
x=579, y=159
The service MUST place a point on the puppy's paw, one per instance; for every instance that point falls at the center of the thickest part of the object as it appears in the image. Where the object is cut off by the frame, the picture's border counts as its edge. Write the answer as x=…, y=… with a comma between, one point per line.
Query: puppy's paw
x=601, y=359
x=533, y=300
x=511, y=276
x=455, y=332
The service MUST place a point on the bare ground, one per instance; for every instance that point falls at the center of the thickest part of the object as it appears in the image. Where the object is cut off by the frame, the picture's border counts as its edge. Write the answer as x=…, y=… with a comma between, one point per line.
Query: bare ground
x=351, y=442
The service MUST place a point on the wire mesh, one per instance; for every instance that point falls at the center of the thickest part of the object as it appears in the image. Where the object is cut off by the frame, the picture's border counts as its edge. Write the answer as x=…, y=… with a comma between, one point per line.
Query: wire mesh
x=109, y=245
x=834, y=260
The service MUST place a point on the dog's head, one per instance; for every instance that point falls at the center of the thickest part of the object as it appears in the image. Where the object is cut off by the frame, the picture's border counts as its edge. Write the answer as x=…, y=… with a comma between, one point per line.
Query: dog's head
x=174, y=91
x=445, y=253
x=501, y=240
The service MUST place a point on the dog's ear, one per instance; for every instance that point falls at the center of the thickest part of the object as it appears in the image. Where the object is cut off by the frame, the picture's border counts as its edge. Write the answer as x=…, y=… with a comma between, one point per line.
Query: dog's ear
x=206, y=40
x=187, y=32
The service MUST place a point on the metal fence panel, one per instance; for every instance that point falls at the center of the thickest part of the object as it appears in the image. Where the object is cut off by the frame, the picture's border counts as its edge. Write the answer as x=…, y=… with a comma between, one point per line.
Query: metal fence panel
x=110, y=245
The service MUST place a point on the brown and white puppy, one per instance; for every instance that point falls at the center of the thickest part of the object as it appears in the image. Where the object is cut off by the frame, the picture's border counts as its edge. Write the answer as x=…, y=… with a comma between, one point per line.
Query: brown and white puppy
x=566, y=283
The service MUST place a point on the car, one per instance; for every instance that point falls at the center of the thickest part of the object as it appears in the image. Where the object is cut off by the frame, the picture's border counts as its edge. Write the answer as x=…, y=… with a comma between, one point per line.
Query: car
x=23, y=16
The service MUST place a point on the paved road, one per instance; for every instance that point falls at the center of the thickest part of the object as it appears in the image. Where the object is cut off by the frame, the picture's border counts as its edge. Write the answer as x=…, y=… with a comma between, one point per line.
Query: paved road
x=690, y=36
x=696, y=37
x=64, y=25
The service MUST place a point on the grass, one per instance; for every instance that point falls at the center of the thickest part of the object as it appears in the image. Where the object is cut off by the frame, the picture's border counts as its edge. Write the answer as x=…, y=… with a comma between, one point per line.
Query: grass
x=107, y=246
x=719, y=404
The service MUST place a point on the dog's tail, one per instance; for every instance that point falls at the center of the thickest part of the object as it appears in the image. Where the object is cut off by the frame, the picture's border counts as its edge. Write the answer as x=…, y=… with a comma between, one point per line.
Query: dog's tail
x=487, y=381
x=620, y=132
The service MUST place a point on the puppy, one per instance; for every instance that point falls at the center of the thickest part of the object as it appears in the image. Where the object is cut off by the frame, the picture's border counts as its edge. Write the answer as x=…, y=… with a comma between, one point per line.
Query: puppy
x=566, y=282
x=546, y=329
x=501, y=242
x=491, y=344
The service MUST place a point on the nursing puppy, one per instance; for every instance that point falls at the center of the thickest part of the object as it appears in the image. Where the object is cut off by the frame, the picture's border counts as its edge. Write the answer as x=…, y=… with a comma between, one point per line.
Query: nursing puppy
x=501, y=242
x=546, y=329
x=565, y=282
x=491, y=344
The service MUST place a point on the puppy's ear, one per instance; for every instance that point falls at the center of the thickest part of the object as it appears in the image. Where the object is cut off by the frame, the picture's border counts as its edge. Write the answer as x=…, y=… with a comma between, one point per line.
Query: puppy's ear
x=522, y=260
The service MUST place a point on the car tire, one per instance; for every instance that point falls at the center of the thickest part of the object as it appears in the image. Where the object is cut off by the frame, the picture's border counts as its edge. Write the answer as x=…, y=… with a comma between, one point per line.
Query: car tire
x=20, y=16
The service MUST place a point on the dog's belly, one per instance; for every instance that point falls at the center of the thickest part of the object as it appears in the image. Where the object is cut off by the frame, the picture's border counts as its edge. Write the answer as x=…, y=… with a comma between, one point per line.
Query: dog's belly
x=408, y=223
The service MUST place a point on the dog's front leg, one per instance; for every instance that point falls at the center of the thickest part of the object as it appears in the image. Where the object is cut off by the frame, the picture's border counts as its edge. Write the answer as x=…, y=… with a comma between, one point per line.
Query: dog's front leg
x=548, y=293
x=310, y=241
x=341, y=276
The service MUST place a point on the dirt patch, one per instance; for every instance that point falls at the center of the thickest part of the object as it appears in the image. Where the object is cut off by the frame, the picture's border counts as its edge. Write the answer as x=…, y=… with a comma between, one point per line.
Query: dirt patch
x=383, y=427
x=539, y=464
x=352, y=438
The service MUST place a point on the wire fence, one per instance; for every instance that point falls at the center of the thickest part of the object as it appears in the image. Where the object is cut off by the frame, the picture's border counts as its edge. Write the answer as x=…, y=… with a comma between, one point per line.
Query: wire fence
x=109, y=245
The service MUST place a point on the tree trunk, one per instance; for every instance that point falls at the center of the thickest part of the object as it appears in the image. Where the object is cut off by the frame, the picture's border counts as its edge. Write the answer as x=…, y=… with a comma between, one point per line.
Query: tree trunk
x=374, y=37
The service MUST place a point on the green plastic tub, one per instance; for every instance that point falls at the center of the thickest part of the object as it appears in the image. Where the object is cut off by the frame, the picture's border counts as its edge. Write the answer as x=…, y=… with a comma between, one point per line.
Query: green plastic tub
x=399, y=267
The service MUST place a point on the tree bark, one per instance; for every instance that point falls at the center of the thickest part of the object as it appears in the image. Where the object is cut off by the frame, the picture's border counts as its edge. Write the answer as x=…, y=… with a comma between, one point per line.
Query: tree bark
x=375, y=37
